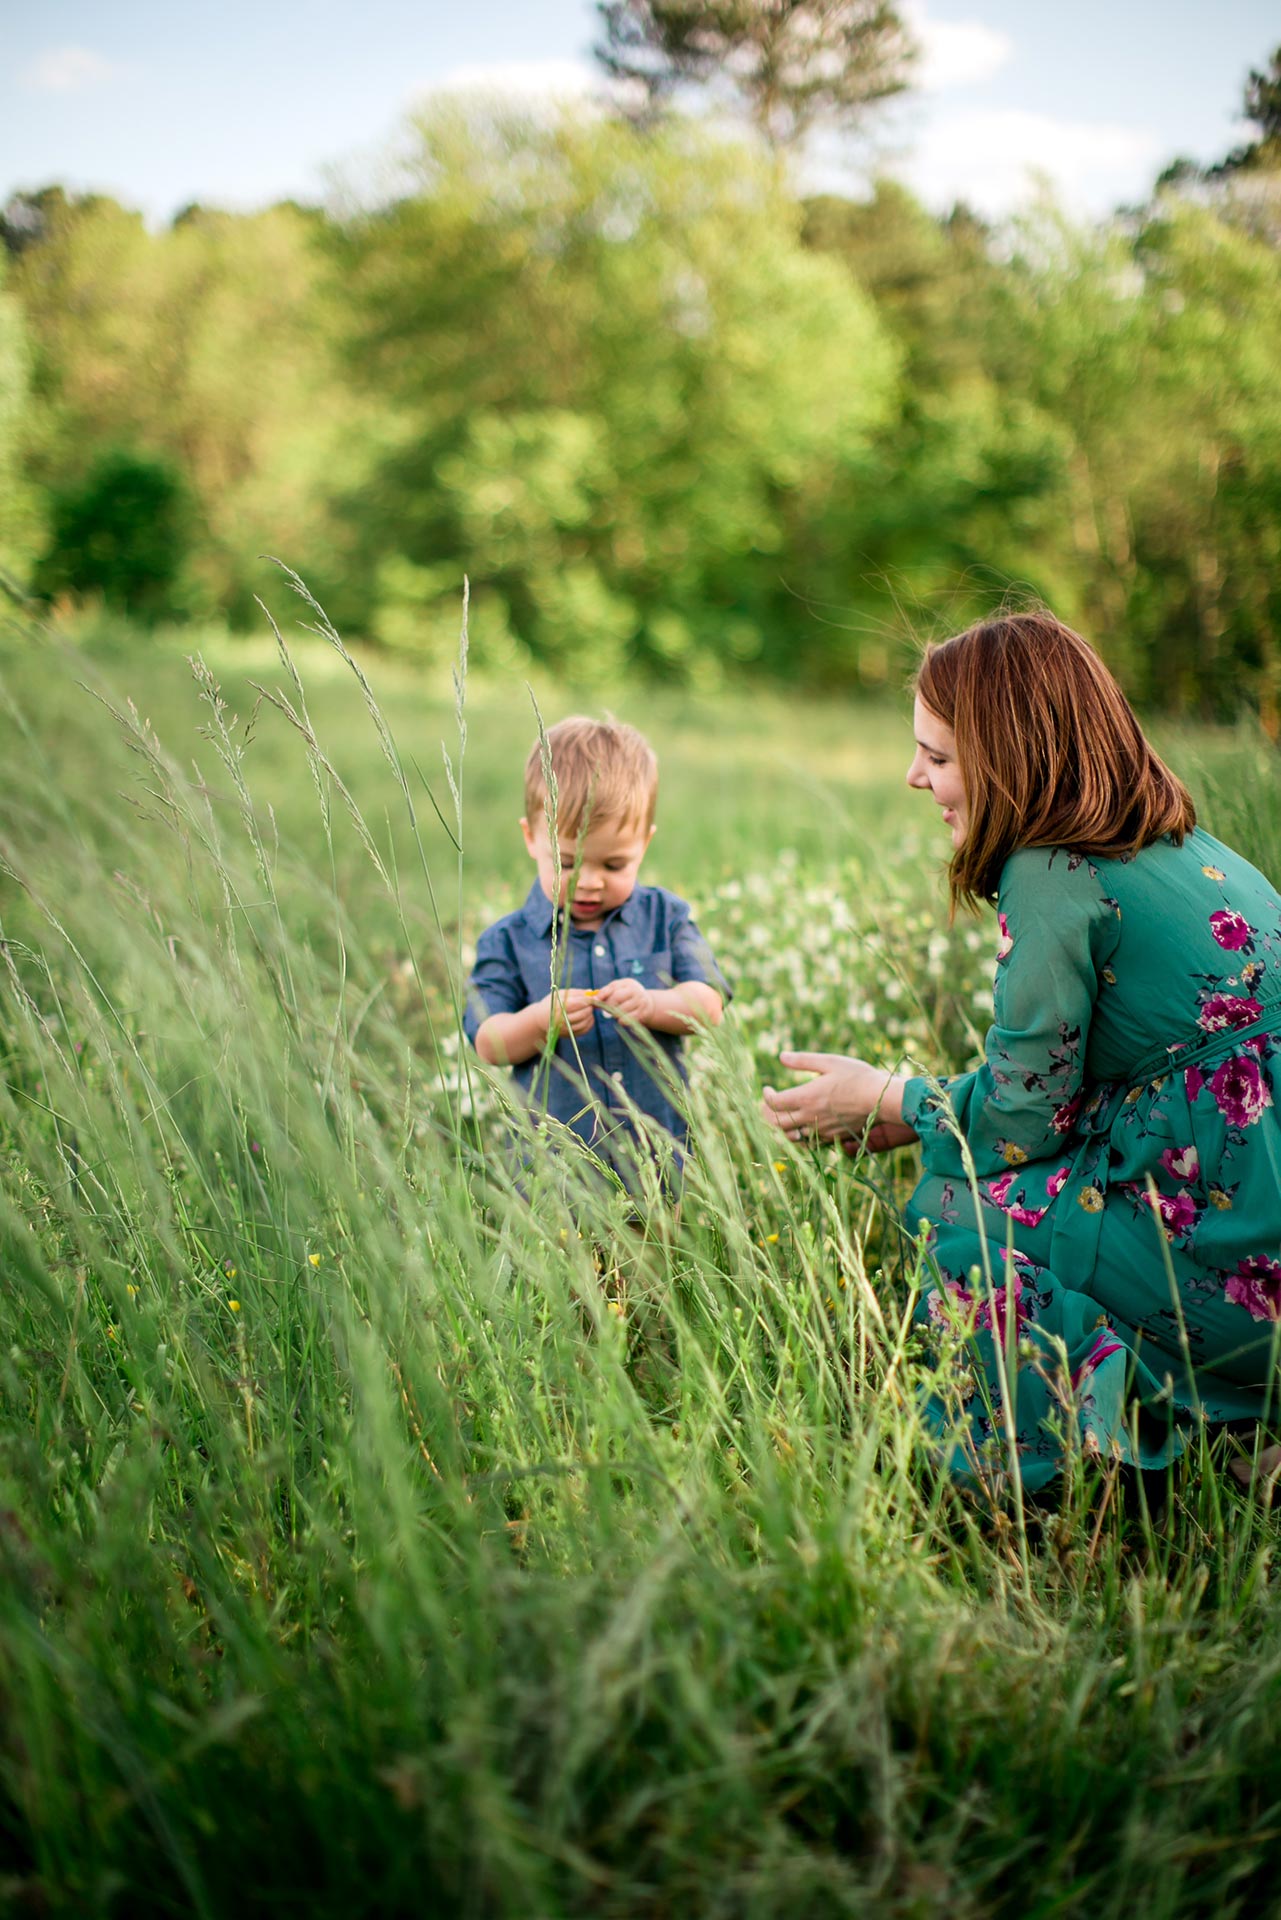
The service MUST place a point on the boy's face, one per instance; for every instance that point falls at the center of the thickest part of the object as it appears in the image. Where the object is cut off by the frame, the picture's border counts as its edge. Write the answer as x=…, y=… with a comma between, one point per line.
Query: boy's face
x=607, y=859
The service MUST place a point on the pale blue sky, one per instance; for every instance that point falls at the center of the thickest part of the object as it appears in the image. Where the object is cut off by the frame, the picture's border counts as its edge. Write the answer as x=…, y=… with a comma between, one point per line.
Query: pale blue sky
x=246, y=102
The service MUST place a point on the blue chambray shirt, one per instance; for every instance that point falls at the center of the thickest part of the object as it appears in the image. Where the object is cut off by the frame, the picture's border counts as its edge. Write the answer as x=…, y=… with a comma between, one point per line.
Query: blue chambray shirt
x=651, y=937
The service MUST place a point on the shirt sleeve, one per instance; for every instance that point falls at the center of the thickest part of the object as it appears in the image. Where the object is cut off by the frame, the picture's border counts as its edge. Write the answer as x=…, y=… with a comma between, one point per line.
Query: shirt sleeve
x=692, y=958
x=1058, y=929
x=495, y=984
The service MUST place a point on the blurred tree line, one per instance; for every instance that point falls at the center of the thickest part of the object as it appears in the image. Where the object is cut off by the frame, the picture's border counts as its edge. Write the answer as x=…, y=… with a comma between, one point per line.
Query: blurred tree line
x=667, y=413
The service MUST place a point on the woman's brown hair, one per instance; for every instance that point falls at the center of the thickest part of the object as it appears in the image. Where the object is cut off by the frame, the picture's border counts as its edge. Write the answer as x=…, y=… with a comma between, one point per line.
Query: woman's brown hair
x=1048, y=748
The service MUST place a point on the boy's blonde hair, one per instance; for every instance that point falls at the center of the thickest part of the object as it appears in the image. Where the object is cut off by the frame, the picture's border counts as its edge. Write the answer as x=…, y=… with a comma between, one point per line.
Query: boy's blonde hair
x=605, y=770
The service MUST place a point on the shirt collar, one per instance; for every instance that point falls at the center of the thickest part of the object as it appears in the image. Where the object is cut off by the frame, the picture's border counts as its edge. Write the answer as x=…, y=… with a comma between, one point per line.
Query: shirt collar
x=537, y=911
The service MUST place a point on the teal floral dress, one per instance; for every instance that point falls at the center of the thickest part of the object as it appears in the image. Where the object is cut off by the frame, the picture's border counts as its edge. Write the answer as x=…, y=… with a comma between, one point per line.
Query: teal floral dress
x=1103, y=1194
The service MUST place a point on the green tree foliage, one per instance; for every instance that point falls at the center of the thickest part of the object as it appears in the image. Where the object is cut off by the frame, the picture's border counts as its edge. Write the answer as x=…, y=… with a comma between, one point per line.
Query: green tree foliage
x=617, y=375
x=20, y=526
x=963, y=489
x=1262, y=108
x=206, y=347
x=123, y=533
x=789, y=64
x=666, y=417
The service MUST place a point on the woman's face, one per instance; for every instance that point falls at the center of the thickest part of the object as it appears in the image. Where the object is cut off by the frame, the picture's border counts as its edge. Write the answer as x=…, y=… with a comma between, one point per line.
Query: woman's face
x=935, y=768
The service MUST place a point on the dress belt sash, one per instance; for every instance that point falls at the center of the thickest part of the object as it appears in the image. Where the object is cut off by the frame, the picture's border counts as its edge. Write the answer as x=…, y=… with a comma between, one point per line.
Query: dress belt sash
x=1207, y=1050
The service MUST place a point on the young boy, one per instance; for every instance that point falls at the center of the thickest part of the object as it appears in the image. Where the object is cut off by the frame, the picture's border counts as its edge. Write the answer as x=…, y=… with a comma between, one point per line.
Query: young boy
x=593, y=958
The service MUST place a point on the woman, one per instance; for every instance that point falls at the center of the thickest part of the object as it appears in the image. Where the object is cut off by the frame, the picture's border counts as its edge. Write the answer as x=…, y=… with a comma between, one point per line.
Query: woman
x=1124, y=1129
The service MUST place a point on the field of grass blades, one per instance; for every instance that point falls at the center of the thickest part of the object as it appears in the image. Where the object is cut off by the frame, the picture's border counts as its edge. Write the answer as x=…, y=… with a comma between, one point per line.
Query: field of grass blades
x=386, y=1528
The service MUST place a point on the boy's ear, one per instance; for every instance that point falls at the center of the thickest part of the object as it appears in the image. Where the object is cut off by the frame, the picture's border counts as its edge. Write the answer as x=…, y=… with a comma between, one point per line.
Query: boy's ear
x=528, y=832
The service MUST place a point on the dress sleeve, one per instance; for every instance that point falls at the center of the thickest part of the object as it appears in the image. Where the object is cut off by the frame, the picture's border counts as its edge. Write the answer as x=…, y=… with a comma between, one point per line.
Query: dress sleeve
x=1058, y=929
x=692, y=958
x=495, y=985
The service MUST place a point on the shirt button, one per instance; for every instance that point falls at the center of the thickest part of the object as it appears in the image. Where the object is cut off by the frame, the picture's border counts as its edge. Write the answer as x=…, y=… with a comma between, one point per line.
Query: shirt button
x=599, y=952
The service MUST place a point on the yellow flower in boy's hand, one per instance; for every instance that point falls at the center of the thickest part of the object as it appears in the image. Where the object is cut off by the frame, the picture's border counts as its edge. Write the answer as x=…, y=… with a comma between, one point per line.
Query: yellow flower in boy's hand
x=627, y=999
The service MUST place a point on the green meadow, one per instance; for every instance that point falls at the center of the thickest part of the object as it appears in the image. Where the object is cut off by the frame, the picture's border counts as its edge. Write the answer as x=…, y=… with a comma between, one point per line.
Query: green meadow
x=382, y=1532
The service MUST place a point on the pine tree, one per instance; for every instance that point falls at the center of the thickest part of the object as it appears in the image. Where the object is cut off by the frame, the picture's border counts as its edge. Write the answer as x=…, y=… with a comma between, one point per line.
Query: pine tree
x=792, y=64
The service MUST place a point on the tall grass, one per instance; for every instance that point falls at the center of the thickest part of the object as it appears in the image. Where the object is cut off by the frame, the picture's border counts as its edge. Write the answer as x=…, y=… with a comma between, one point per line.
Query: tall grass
x=384, y=1530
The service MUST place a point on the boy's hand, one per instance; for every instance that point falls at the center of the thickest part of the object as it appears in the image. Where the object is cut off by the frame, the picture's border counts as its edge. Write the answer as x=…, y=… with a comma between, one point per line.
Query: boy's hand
x=627, y=1000
x=571, y=1011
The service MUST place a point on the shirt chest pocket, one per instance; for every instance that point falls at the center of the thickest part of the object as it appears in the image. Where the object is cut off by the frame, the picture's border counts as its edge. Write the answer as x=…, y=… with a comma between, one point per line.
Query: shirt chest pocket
x=651, y=969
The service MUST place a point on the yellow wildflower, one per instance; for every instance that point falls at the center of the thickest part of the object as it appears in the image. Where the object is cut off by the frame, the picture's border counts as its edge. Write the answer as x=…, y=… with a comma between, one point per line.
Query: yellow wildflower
x=234, y=1305
x=314, y=1259
x=771, y=1239
x=780, y=1166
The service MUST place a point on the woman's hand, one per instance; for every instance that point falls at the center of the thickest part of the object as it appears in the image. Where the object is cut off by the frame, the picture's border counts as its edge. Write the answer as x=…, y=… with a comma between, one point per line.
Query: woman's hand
x=882, y=1138
x=839, y=1101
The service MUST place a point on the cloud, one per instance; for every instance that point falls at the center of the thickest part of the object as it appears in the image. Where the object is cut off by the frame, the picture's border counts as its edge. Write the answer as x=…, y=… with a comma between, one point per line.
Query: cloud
x=523, y=79
x=70, y=70
x=957, y=53
x=992, y=160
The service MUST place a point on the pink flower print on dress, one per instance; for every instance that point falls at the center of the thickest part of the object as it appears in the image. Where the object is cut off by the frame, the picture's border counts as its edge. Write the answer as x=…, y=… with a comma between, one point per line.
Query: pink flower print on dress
x=1054, y=1185
x=1225, y=1010
x=1231, y=929
x=1006, y=940
x=1064, y=1117
x=1240, y=1091
x=1181, y=1162
x=1256, y=1286
x=984, y=1315
x=998, y=1193
x=1193, y=1081
x=1177, y=1213
x=1105, y=1345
